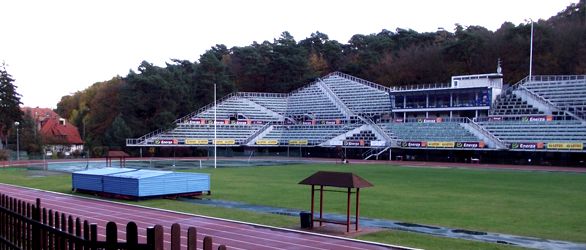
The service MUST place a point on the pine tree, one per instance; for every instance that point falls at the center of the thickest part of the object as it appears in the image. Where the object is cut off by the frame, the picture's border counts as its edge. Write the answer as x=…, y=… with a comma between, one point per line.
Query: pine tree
x=9, y=104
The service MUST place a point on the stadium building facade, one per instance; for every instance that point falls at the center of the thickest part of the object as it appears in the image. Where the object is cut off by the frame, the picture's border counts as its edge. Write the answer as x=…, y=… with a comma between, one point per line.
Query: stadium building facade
x=539, y=120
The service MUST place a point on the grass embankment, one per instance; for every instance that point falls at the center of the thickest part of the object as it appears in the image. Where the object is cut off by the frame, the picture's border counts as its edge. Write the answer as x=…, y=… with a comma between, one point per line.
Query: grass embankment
x=547, y=205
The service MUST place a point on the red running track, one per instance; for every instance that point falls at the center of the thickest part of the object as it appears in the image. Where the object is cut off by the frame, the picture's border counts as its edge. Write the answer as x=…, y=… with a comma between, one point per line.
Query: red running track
x=235, y=235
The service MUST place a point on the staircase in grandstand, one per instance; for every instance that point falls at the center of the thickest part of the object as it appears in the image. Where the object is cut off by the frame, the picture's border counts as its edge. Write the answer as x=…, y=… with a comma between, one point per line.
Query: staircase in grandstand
x=551, y=95
x=566, y=93
x=339, y=104
x=375, y=152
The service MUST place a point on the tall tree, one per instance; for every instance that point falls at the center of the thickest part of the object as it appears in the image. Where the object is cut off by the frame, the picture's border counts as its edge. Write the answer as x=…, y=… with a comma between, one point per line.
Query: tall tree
x=9, y=104
x=30, y=138
x=289, y=68
x=212, y=71
x=154, y=96
x=118, y=132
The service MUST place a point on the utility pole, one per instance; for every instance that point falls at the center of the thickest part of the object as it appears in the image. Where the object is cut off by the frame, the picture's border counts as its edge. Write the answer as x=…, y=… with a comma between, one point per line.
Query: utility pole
x=215, y=129
x=16, y=124
x=531, y=52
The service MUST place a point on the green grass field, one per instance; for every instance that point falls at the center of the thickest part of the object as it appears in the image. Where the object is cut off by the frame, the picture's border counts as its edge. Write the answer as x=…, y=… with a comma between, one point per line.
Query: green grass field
x=539, y=204
x=547, y=205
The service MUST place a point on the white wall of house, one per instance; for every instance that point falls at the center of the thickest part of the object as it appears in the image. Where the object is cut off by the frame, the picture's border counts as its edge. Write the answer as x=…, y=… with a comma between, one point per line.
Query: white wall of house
x=65, y=149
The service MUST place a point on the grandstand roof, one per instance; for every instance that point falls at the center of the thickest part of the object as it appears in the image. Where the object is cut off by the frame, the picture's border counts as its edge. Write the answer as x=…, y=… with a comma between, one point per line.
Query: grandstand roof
x=336, y=179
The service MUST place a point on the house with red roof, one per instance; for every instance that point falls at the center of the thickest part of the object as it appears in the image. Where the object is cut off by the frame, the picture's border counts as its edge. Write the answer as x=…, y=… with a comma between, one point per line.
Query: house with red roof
x=58, y=135
x=40, y=114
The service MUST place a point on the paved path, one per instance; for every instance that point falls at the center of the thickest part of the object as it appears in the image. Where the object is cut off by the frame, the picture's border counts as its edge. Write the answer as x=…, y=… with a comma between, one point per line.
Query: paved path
x=439, y=231
x=235, y=235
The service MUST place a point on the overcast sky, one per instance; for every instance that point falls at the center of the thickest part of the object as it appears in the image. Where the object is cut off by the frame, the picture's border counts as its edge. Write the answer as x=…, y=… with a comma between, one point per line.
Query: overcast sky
x=55, y=48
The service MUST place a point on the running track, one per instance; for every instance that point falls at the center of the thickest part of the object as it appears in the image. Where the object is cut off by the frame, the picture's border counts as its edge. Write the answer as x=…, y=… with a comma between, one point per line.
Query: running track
x=235, y=235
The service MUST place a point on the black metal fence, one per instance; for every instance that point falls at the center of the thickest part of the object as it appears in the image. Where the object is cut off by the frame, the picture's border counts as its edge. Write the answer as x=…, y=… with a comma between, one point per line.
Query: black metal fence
x=25, y=226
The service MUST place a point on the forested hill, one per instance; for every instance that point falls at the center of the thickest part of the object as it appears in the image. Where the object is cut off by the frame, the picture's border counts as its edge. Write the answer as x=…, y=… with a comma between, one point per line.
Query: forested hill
x=152, y=97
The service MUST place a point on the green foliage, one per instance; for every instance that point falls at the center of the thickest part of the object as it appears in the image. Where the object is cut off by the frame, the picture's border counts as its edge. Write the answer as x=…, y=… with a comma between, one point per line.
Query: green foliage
x=152, y=97
x=9, y=104
x=30, y=139
x=118, y=132
x=3, y=155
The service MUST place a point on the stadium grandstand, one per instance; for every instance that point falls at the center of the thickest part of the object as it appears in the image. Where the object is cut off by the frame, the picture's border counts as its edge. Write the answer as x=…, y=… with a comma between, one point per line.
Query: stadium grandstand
x=472, y=118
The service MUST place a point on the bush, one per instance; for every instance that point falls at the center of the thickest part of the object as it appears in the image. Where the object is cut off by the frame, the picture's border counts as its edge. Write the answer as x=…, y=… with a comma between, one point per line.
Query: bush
x=99, y=151
x=3, y=155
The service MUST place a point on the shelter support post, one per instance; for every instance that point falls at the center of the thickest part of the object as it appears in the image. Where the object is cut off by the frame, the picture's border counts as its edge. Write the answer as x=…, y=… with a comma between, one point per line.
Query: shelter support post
x=348, y=211
x=321, y=203
x=357, y=206
x=312, y=201
x=342, y=180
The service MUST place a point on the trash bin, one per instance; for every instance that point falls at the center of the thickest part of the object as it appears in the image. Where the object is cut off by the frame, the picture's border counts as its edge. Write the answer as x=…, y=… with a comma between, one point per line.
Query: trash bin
x=305, y=218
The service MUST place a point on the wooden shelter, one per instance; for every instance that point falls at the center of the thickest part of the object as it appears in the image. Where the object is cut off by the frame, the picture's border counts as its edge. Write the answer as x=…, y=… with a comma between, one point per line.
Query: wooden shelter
x=338, y=180
x=121, y=155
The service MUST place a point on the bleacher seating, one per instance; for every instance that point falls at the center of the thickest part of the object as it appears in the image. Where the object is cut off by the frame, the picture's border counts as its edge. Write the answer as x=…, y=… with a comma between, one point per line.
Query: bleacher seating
x=278, y=104
x=322, y=102
x=237, y=132
x=359, y=98
x=542, y=131
x=418, y=131
x=566, y=92
x=237, y=105
x=366, y=135
x=312, y=100
x=314, y=134
x=508, y=104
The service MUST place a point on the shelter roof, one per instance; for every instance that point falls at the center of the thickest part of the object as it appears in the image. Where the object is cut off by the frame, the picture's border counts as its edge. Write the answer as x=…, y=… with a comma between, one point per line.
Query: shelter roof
x=336, y=179
x=116, y=153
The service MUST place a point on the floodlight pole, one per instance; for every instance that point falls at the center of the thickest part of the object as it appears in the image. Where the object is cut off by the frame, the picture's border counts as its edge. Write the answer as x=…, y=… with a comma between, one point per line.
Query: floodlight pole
x=215, y=129
x=531, y=51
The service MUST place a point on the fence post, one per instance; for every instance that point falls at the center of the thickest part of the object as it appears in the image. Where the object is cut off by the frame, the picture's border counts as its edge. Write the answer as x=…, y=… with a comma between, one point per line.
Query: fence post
x=222, y=247
x=86, y=230
x=93, y=235
x=57, y=225
x=159, y=236
x=150, y=238
x=29, y=227
x=78, y=245
x=207, y=243
x=70, y=230
x=43, y=236
x=111, y=235
x=2, y=216
x=36, y=230
x=175, y=237
x=49, y=234
x=3, y=221
x=63, y=241
x=132, y=236
x=12, y=237
x=191, y=238
x=155, y=237
x=17, y=224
